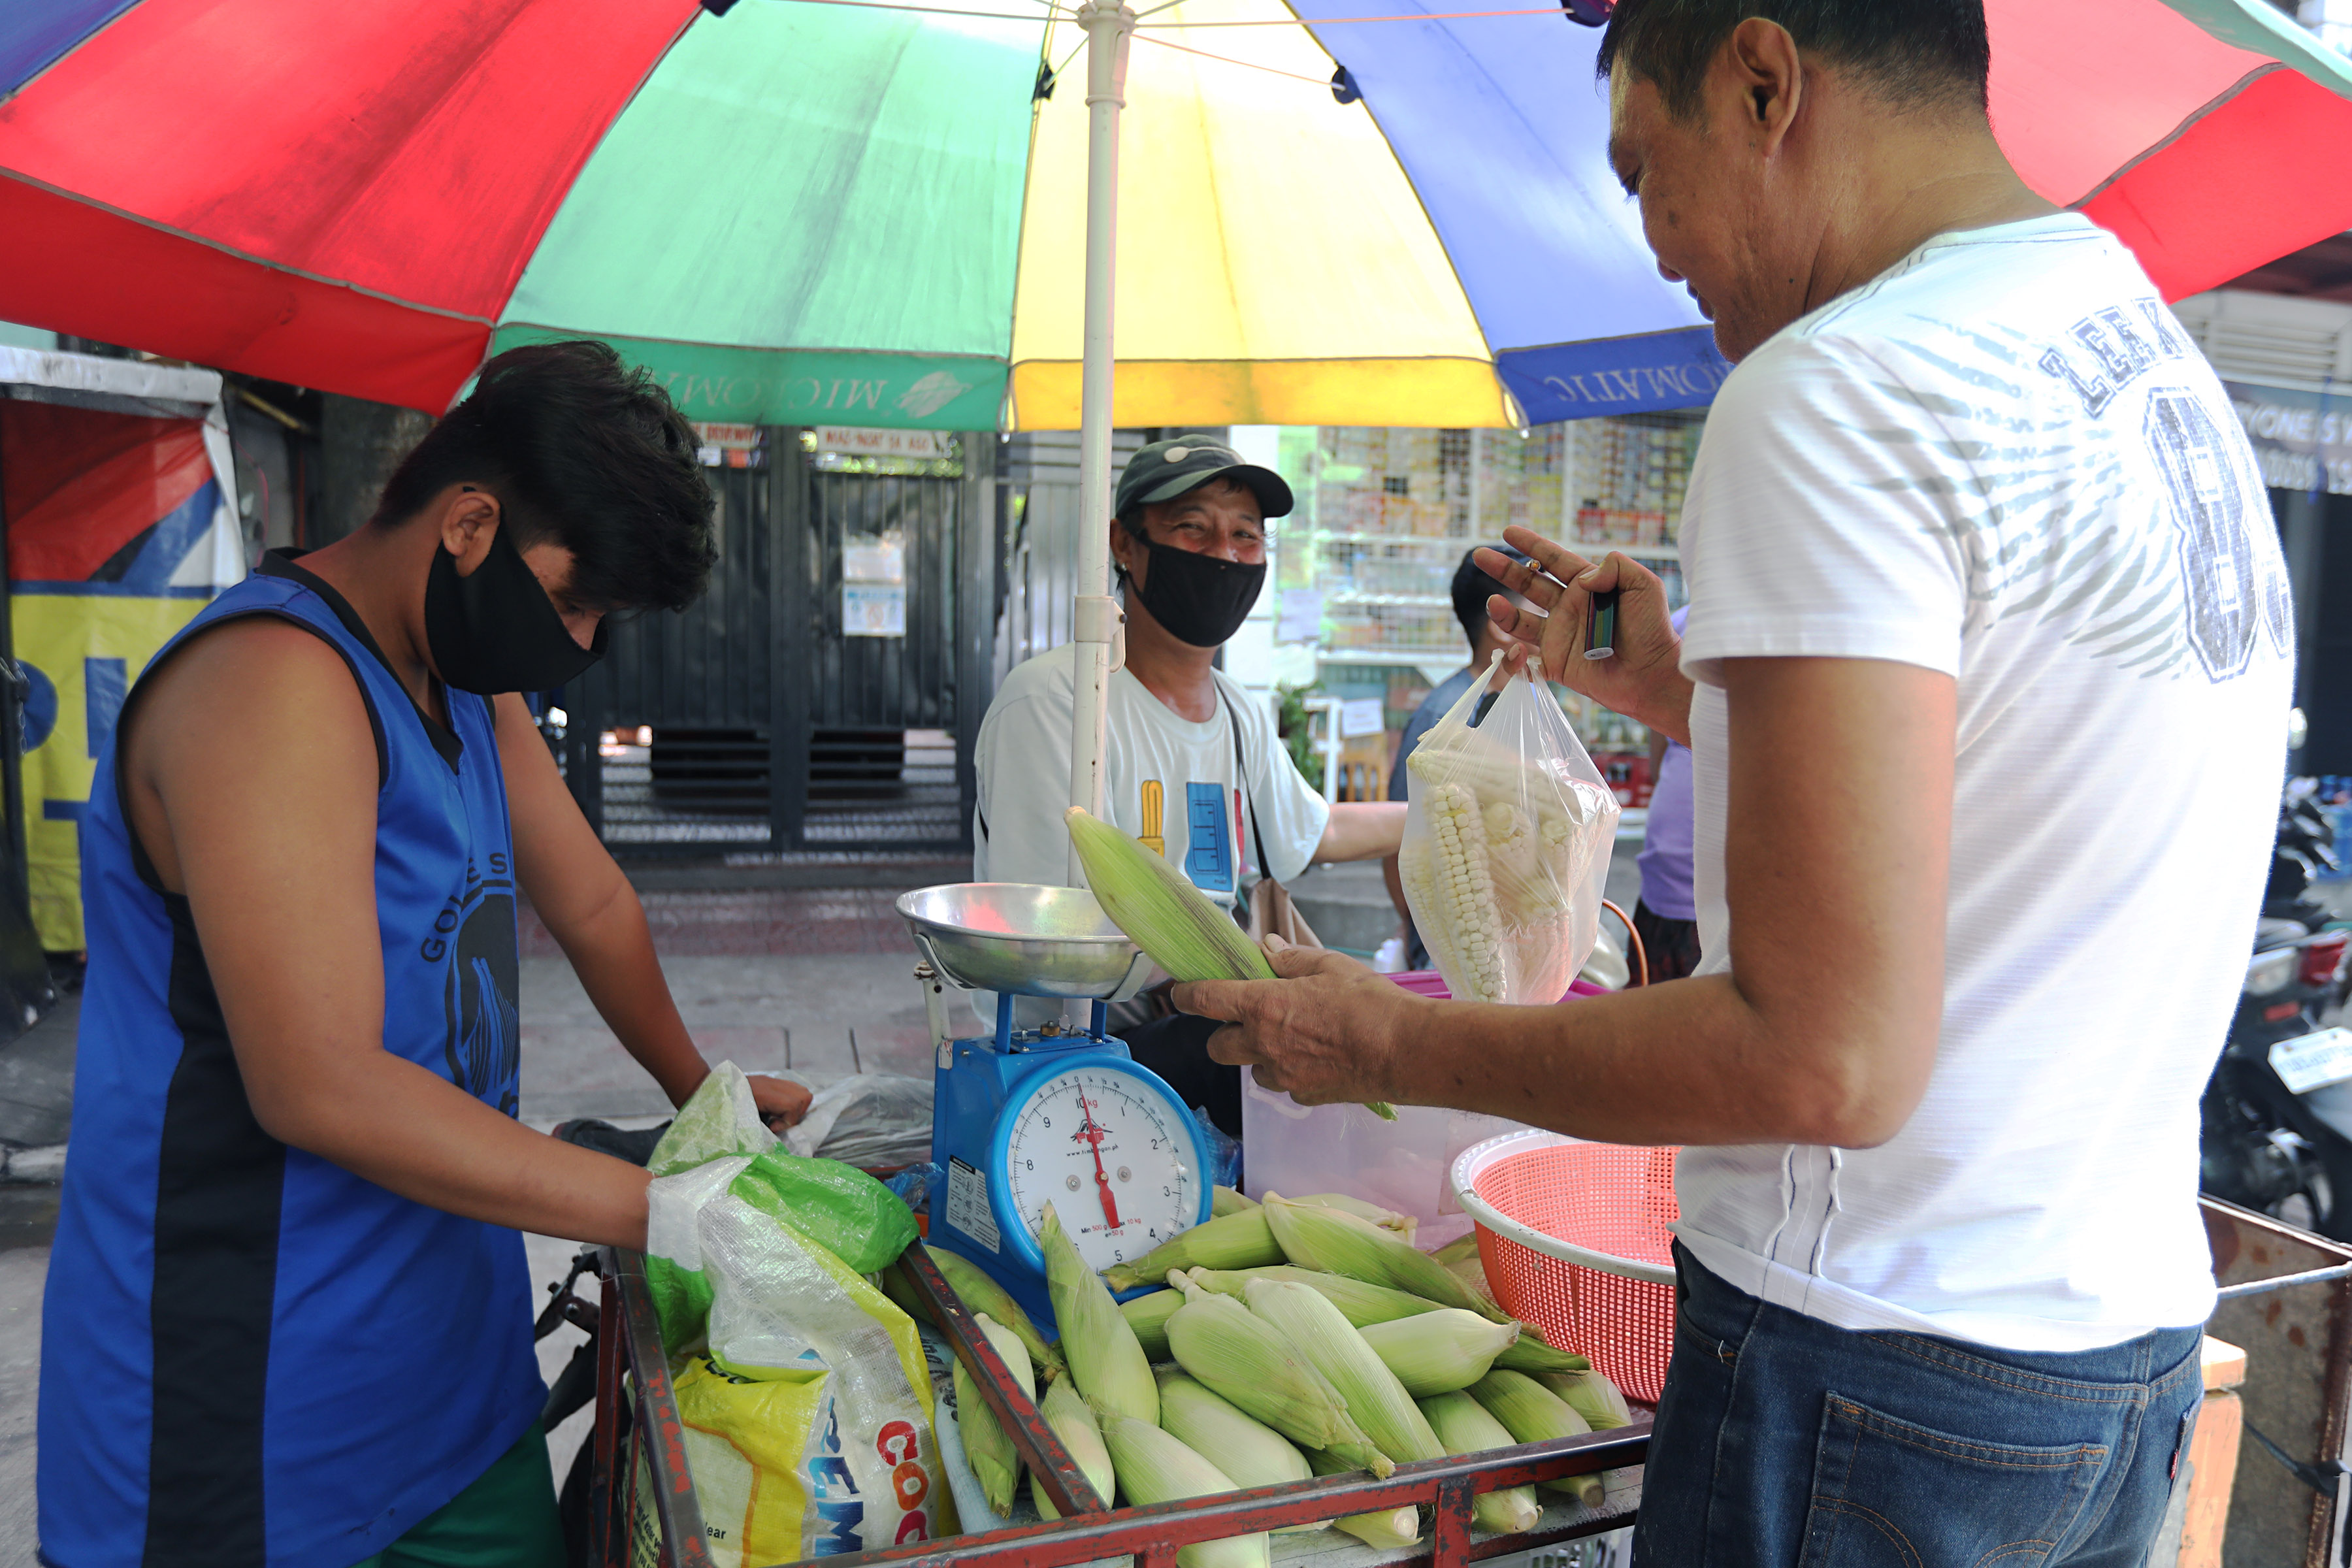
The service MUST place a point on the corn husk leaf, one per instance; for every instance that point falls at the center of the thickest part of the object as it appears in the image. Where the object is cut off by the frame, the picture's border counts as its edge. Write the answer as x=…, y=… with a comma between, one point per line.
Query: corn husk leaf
x=1534, y=1414
x=1148, y=1315
x=1154, y=1467
x=1234, y=1352
x=1236, y=1241
x=1226, y=1200
x=1454, y=1251
x=980, y=1293
x=1531, y=1355
x=1590, y=1396
x=1402, y=1225
x=1363, y=1304
x=1102, y=1352
x=1335, y=1348
x=1464, y=1428
x=995, y=1463
x=1336, y=1243
x=1073, y=1423
x=1437, y=1352
x=1250, y=1452
x=1387, y=1529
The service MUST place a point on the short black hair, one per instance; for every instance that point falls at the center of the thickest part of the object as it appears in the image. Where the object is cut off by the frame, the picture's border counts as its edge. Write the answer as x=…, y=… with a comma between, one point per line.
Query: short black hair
x=1920, y=53
x=1472, y=588
x=577, y=448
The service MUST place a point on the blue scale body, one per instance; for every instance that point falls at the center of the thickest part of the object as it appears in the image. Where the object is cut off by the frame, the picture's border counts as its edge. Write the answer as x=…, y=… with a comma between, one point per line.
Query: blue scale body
x=987, y=1076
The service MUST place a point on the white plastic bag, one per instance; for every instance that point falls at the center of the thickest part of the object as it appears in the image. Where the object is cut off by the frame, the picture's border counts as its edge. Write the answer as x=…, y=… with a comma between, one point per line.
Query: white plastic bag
x=870, y=1121
x=1507, y=834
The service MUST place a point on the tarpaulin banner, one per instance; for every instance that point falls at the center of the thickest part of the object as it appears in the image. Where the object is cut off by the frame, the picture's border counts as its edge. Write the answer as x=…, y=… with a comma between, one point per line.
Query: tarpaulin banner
x=119, y=532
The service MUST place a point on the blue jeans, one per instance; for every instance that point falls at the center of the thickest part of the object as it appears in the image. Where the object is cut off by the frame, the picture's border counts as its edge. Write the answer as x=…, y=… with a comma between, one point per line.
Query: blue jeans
x=1782, y=1441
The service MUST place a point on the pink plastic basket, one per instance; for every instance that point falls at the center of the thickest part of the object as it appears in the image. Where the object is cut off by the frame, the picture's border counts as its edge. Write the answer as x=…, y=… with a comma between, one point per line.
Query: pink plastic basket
x=1574, y=1238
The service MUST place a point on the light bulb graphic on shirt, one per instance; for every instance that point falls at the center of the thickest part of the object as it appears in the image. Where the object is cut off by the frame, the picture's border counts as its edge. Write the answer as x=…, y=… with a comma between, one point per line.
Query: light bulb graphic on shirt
x=1154, y=807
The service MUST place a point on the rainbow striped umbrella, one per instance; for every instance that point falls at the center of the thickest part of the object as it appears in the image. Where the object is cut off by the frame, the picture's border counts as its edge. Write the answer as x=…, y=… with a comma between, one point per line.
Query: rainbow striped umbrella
x=1331, y=211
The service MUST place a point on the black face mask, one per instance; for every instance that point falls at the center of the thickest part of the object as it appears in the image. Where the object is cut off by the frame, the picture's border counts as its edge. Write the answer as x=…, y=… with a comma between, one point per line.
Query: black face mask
x=497, y=631
x=1200, y=599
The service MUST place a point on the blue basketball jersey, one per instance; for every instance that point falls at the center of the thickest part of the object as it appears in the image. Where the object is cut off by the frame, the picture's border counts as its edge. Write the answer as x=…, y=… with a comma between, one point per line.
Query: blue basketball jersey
x=251, y=1357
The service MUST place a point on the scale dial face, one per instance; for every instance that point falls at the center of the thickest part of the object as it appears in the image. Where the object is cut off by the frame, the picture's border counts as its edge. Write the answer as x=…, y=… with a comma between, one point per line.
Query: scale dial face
x=1113, y=1154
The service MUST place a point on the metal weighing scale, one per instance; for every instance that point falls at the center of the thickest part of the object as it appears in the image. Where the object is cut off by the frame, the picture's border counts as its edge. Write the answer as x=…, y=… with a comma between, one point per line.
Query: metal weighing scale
x=1057, y=1114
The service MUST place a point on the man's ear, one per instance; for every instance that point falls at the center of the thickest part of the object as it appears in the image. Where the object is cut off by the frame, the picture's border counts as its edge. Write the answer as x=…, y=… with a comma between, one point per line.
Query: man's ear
x=469, y=522
x=1762, y=58
x=1126, y=552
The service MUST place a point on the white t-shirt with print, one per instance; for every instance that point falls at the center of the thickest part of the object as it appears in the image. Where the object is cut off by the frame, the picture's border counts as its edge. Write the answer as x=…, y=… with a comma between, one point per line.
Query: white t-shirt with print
x=2003, y=460
x=1172, y=783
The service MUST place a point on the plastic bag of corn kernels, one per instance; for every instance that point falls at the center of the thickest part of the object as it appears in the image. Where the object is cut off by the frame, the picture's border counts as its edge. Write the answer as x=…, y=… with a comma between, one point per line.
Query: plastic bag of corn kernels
x=1507, y=834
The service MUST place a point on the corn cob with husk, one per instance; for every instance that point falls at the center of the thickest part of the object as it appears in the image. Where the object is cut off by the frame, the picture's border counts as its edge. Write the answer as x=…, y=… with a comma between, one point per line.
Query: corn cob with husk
x=1534, y=1414
x=1454, y=1251
x=1148, y=1315
x=979, y=1293
x=1472, y=1271
x=1463, y=1424
x=1236, y=1241
x=1233, y=1351
x=1449, y=885
x=1402, y=1225
x=1386, y=1528
x=1362, y=1303
x=1104, y=1354
x=1437, y=1352
x=994, y=1461
x=1531, y=1355
x=1073, y=1423
x=1162, y=913
x=1336, y=1243
x=1335, y=1348
x=1224, y=1201
x=1590, y=1396
x=1250, y=1452
x=1365, y=1304
x=1154, y=1467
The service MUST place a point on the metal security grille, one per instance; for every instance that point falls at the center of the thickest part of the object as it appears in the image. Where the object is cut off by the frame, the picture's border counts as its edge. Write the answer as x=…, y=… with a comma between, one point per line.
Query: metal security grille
x=758, y=721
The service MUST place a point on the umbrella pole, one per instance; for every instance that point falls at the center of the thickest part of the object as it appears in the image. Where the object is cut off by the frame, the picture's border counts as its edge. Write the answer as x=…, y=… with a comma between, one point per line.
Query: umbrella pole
x=1109, y=27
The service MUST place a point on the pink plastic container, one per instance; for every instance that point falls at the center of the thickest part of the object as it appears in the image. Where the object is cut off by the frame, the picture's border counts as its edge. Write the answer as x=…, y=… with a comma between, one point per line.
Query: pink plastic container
x=1406, y=1164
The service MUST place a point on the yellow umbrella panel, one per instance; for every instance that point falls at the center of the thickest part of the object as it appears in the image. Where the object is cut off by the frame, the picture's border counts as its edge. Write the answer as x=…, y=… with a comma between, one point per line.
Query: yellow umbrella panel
x=1275, y=264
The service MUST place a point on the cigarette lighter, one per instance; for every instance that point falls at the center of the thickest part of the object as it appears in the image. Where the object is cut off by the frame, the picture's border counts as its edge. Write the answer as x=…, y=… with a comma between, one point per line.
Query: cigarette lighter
x=1600, y=627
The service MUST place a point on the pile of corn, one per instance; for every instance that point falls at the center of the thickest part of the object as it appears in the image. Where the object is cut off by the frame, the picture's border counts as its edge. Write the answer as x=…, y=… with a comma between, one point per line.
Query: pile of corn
x=1493, y=879
x=1307, y=1338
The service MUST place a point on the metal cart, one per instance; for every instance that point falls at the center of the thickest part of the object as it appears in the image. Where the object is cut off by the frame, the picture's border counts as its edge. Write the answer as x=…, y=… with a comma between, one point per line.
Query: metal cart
x=639, y=1453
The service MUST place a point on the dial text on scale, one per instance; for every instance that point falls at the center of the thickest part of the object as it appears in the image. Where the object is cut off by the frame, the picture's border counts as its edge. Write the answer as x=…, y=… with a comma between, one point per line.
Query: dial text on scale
x=1110, y=1156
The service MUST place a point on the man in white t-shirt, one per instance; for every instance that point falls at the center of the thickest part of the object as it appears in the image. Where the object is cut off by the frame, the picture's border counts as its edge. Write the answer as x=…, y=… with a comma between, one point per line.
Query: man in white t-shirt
x=1987, y=625
x=1193, y=766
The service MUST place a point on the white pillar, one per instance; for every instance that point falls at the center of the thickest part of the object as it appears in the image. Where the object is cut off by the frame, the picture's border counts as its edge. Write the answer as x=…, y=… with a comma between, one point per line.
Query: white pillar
x=1109, y=26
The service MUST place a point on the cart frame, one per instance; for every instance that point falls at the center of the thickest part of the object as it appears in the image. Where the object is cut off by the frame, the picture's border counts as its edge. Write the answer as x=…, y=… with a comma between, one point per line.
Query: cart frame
x=632, y=1377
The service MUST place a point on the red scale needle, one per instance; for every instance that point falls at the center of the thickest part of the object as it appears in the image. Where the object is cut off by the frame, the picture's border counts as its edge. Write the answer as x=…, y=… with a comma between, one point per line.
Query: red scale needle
x=1093, y=1136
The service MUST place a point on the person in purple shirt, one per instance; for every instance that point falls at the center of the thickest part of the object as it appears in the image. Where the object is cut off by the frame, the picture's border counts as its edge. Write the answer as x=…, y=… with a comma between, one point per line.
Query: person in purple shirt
x=1667, y=917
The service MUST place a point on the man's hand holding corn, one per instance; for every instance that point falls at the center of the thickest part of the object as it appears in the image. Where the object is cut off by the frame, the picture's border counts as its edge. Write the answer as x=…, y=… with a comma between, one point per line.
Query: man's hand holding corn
x=1326, y=1032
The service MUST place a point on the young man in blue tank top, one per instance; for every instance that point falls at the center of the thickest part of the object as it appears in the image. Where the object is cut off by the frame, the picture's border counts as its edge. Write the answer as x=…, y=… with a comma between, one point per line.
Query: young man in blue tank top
x=288, y=1317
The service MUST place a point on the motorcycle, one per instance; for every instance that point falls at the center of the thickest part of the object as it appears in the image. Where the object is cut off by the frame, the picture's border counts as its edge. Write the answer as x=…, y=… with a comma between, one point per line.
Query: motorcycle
x=2276, y=1117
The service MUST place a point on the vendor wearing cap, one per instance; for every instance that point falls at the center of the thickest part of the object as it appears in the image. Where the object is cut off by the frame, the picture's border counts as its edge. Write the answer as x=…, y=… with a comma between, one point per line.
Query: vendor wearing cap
x=1193, y=766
